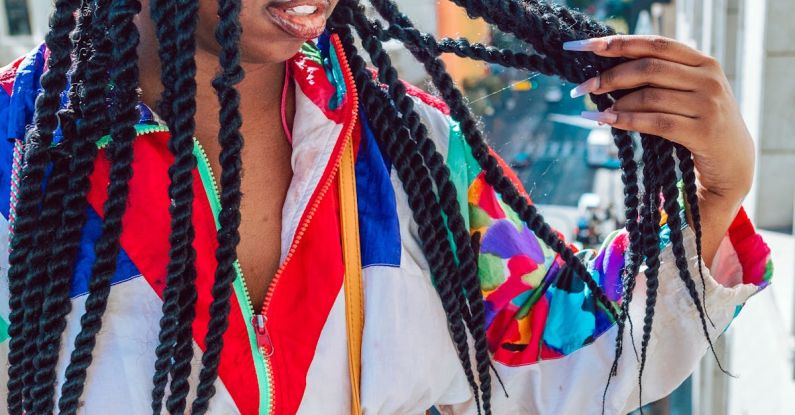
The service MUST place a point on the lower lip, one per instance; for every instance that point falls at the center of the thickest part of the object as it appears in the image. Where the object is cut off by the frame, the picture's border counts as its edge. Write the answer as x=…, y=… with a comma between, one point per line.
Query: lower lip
x=302, y=27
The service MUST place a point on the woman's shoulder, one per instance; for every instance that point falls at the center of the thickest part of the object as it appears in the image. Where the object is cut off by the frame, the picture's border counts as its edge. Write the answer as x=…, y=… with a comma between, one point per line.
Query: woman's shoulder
x=19, y=86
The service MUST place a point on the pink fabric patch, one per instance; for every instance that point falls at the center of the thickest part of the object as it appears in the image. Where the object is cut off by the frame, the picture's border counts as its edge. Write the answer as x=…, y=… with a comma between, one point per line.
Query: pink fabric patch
x=521, y=265
x=752, y=251
x=7, y=75
x=488, y=201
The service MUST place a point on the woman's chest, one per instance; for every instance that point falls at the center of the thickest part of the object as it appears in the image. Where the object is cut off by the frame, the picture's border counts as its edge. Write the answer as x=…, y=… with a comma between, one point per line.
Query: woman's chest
x=265, y=181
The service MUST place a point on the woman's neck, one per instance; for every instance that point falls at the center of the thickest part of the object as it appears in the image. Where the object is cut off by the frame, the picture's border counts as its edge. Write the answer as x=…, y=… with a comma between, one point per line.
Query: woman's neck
x=260, y=92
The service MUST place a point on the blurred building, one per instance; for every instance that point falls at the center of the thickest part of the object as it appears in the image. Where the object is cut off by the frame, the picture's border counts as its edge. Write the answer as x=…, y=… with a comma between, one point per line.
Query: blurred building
x=23, y=23
x=755, y=42
x=441, y=19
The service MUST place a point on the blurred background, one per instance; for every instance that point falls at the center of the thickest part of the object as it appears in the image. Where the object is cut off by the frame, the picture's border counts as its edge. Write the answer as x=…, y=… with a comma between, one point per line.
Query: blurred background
x=569, y=165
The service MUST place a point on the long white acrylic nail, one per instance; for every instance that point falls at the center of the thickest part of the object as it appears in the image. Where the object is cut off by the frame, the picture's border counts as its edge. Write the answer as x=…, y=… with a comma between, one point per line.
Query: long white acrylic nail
x=585, y=45
x=607, y=117
x=586, y=87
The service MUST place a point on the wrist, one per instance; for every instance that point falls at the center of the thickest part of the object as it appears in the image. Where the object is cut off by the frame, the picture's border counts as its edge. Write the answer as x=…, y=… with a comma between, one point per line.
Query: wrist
x=717, y=213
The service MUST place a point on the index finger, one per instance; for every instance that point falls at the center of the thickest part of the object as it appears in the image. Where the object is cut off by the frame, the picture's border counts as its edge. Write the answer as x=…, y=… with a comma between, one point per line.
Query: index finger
x=634, y=47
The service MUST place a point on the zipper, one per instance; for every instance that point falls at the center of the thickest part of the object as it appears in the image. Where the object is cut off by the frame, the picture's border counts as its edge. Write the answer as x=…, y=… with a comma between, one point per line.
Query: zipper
x=259, y=321
x=263, y=338
x=348, y=135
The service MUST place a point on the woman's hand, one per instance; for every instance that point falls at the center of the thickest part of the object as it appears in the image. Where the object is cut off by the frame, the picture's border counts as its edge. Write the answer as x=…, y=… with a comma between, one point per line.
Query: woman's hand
x=684, y=97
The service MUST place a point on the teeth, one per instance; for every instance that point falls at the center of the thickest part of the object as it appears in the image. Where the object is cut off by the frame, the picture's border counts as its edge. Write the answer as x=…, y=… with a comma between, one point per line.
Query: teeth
x=301, y=10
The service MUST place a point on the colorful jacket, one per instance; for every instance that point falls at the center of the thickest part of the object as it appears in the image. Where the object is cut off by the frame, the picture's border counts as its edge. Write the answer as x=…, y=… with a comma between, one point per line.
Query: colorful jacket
x=552, y=349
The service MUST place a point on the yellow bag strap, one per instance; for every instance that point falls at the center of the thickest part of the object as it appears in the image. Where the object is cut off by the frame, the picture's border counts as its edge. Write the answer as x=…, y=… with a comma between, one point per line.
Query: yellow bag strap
x=354, y=304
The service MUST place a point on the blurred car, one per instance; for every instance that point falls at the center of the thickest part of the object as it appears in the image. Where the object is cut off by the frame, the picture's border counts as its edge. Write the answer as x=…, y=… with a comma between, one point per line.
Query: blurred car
x=521, y=161
x=587, y=232
x=601, y=152
x=588, y=202
x=553, y=94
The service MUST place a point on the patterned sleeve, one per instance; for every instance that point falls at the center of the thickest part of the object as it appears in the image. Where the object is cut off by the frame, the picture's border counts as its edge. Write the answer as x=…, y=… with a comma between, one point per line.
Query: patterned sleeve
x=552, y=345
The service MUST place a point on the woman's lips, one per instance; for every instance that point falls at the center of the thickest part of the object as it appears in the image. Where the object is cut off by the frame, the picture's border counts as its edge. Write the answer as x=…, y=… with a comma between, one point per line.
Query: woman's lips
x=305, y=19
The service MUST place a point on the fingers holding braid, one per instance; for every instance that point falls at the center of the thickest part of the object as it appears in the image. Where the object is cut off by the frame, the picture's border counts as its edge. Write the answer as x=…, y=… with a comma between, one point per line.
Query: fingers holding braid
x=637, y=47
x=678, y=128
x=660, y=100
x=676, y=82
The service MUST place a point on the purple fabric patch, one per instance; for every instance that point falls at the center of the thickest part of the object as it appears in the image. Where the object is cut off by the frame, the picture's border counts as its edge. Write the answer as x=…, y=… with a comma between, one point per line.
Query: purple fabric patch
x=505, y=241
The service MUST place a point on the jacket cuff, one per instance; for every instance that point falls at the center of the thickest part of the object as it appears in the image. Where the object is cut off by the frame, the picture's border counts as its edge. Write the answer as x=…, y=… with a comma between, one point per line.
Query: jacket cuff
x=743, y=256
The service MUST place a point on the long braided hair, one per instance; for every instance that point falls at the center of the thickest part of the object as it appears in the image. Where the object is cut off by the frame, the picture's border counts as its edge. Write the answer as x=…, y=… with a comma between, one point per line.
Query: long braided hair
x=95, y=56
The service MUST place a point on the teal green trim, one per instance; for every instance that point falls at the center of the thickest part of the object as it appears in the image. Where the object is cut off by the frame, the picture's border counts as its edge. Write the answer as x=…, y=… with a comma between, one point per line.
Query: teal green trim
x=460, y=174
x=334, y=69
x=3, y=330
x=311, y=51
x=140, y=129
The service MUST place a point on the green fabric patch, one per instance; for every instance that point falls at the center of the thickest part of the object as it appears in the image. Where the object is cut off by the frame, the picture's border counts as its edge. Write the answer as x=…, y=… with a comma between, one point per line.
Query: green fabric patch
x=479, y=217
x=512, y=216
x=491, y=271
x=768, y=271
x=310, y=50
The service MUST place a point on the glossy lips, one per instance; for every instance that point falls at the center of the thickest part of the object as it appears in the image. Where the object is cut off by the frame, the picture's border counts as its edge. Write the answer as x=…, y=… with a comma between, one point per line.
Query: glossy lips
x=304, y=19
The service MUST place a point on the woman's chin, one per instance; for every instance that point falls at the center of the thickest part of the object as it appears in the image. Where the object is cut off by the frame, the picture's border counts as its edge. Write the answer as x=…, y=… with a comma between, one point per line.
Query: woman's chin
x=270, y=51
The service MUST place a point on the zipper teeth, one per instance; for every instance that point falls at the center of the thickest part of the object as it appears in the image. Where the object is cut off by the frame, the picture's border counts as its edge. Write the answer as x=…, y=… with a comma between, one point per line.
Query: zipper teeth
x=348, y=135
x=271, y=383
x=214, y=186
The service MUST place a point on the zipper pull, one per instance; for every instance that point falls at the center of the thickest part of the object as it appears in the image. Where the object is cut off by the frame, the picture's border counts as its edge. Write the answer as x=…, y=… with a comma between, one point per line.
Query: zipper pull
x=261, y=331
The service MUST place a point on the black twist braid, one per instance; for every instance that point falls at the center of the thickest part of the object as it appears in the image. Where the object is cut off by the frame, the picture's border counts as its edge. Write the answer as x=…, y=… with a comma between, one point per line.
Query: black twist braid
x=227, y=33
x=687, y=168
x=41, y=323
x=57, y=263
x=123, y=35
x=495, y=175
x=182, y=233
x=175, y=351
x=541, y=27
x=448, y=198
x=462, y=47
x=673, y=211
x=162, y=13
x=650, y=223
x=411, y=168
x=633, y=257
x=450, y=286
x=550, y=47
x=37, y=158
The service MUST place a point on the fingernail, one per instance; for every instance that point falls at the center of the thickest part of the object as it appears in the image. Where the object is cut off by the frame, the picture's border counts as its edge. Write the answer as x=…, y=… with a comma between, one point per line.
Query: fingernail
x=586, y=87
x=586, y=45
x=607, y=117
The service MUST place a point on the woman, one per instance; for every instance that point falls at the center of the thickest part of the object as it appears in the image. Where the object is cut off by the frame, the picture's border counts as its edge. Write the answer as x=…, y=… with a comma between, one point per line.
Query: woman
x=233, y=302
